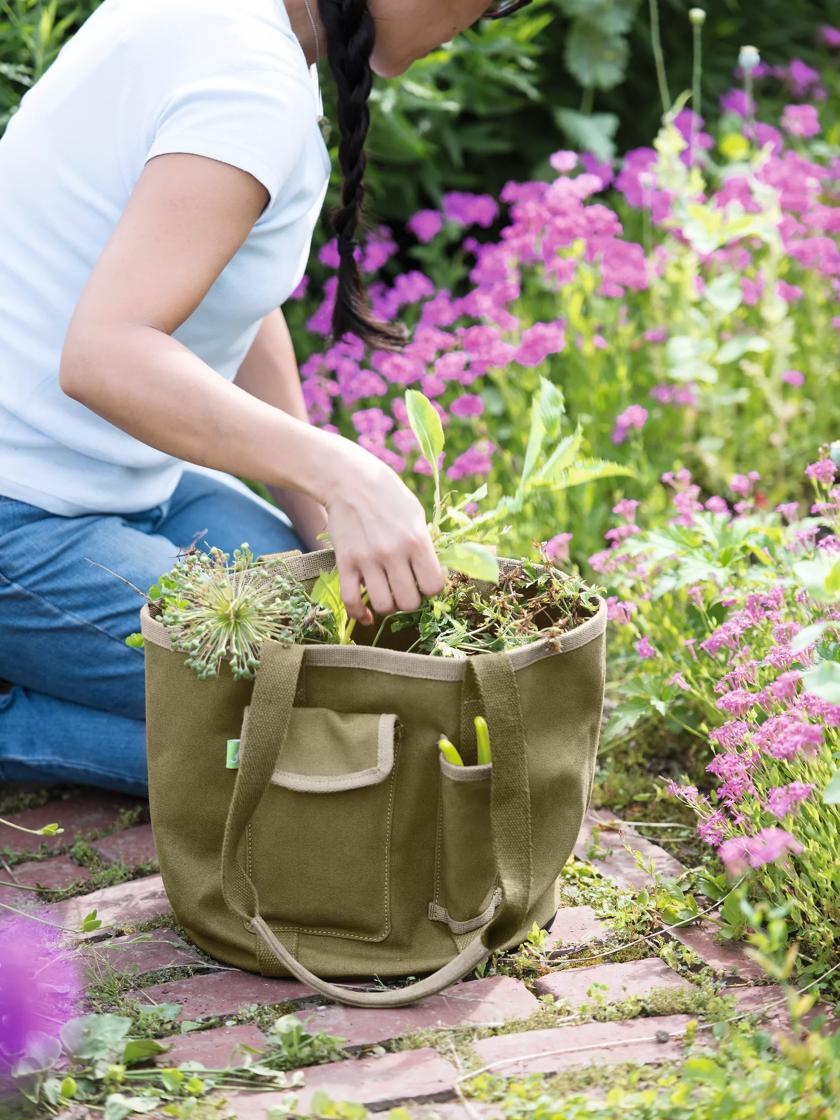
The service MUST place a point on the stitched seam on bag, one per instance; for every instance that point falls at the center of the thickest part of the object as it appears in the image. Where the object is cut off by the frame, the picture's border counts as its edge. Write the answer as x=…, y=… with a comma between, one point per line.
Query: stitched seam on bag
x=348, y=935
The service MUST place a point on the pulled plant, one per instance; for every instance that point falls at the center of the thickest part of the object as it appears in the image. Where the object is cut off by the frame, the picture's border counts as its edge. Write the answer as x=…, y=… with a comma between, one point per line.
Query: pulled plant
x=216, y=610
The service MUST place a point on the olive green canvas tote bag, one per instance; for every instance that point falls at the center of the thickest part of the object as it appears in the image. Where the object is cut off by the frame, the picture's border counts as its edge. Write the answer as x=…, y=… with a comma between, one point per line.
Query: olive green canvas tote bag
x=345, y=845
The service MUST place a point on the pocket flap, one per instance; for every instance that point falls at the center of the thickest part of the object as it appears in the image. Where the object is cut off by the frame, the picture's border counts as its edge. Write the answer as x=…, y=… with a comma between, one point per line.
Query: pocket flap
x=327, y=751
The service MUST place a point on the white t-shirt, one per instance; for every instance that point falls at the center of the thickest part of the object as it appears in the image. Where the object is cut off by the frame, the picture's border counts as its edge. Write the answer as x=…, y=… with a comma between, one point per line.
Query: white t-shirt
x=220, y=78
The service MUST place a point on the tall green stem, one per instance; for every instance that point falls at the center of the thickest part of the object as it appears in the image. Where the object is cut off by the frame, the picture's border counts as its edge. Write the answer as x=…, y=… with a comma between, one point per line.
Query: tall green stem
x=696, y=83
x=658, y=57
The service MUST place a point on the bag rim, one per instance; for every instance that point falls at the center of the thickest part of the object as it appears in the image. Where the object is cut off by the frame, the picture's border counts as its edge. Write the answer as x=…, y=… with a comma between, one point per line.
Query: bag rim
x=396, y=662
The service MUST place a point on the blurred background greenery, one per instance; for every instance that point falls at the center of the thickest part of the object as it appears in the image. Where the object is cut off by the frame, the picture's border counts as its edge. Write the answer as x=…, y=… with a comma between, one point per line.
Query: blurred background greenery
x=492, y=105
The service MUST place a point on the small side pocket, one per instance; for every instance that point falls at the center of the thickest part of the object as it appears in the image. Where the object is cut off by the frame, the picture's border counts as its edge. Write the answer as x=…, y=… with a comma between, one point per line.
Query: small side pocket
x=466, y=895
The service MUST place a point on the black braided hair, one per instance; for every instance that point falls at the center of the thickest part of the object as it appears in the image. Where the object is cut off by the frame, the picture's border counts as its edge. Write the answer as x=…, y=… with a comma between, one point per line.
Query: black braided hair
x=350, y=38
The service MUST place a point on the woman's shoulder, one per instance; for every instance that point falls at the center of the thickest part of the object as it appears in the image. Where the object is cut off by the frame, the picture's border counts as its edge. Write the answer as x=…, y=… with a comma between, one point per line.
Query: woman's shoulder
x=207, y=34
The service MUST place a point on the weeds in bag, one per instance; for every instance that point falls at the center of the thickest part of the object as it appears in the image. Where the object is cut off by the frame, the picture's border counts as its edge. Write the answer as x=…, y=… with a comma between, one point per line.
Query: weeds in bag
x=216, y=610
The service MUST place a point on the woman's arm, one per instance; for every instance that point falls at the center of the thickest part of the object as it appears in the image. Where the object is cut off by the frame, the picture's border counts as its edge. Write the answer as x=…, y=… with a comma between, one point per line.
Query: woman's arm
x=185, y=219
x=270, y=373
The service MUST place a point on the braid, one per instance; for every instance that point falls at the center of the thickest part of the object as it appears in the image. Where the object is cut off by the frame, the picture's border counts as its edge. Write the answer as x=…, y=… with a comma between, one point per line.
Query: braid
x=350, y=39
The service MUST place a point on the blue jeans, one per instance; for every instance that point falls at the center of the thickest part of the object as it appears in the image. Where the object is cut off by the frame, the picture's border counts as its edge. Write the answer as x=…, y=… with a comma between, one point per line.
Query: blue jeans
x=75, y=712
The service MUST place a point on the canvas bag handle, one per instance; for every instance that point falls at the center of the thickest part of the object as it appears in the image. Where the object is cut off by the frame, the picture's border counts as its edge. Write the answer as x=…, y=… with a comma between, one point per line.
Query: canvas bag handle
x=492, y=682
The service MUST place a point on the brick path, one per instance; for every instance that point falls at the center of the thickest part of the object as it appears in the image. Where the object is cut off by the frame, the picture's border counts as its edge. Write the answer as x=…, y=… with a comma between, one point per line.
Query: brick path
x=517, y=1025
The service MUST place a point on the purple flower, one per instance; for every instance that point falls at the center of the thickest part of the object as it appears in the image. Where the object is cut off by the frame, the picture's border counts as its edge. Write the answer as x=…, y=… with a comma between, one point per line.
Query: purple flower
x=563, y=161
x=477, y=460
x=619, y=610
x=600, y=169
x=782, y=800
x=469, y=404
x=766, y=846
x=558, y=547
x=645, y=649
x=713, y=829
x=539, y=342
x=801, y=121
x=794, y=377
x=822, y=471
x=829, y=36
x=40, y=985
x=736, y=101
x=426, y=225
x=635, y=416
x=470, y=209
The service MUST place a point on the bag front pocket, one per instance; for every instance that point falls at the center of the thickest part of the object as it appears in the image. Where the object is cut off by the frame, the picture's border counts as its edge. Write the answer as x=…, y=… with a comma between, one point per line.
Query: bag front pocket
x=466, y=894
x=319, y=843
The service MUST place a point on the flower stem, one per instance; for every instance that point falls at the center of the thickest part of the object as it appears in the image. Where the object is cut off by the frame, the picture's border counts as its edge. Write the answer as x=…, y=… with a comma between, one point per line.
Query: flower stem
x=658, y=57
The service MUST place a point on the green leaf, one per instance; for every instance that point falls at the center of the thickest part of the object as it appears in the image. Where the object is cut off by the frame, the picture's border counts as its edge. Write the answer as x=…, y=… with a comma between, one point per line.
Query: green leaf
x=585, y=470
x=118, y=1106
x=427, y=427
x=597, y=59
x=831, y=793
x=815, y=575
x=735, y=348
x=593, y=132
x=705, y=1070
x=90, y=922
x=824, y=681
x=141, y=1049
x=724, y=293
x=473, y=560
x=832, y=580
x=95, y=1036
x=807, y=636
x=327, y=592
x=135, y=641
x=547, y=414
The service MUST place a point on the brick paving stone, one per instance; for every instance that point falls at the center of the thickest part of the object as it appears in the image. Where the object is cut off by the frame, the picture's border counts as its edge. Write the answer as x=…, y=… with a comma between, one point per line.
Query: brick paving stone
x=85, y=812
x=131, y=846
x=224, y=992
x=411, y=1075
x=139, y=954
x=496, y=999
x=630, y=978
x=619, y=864
x=604, y=1043
x=55, y=873
x=118, y=908
x=573, y=926
x=723, y=957
x=215, y=1049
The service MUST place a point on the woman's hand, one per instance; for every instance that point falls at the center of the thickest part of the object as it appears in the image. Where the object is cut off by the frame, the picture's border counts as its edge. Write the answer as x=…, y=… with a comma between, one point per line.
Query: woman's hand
x=378, y=530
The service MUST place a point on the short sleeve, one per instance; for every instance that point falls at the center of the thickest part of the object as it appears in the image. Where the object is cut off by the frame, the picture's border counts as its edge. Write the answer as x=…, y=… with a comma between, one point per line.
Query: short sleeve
x=256, y=120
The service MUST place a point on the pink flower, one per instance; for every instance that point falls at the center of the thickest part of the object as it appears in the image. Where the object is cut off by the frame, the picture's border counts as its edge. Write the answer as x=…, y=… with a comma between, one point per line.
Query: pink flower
x=619, y=610
x=558, y=547
x=679, y=680
x=782, y=800
x=635, y=416
x=477, y=460
x=794, y=377
x=626, y=508
x=766, y=846
x=801, y=121
x=40, y=986
x=563, y=161
x=736, y=101
x=829, y=36
x=645, y=649
x=426, y=225
x=714, y=828
x=467, y=405
x=539, y=342
x=470, y=209
x=822, y=471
